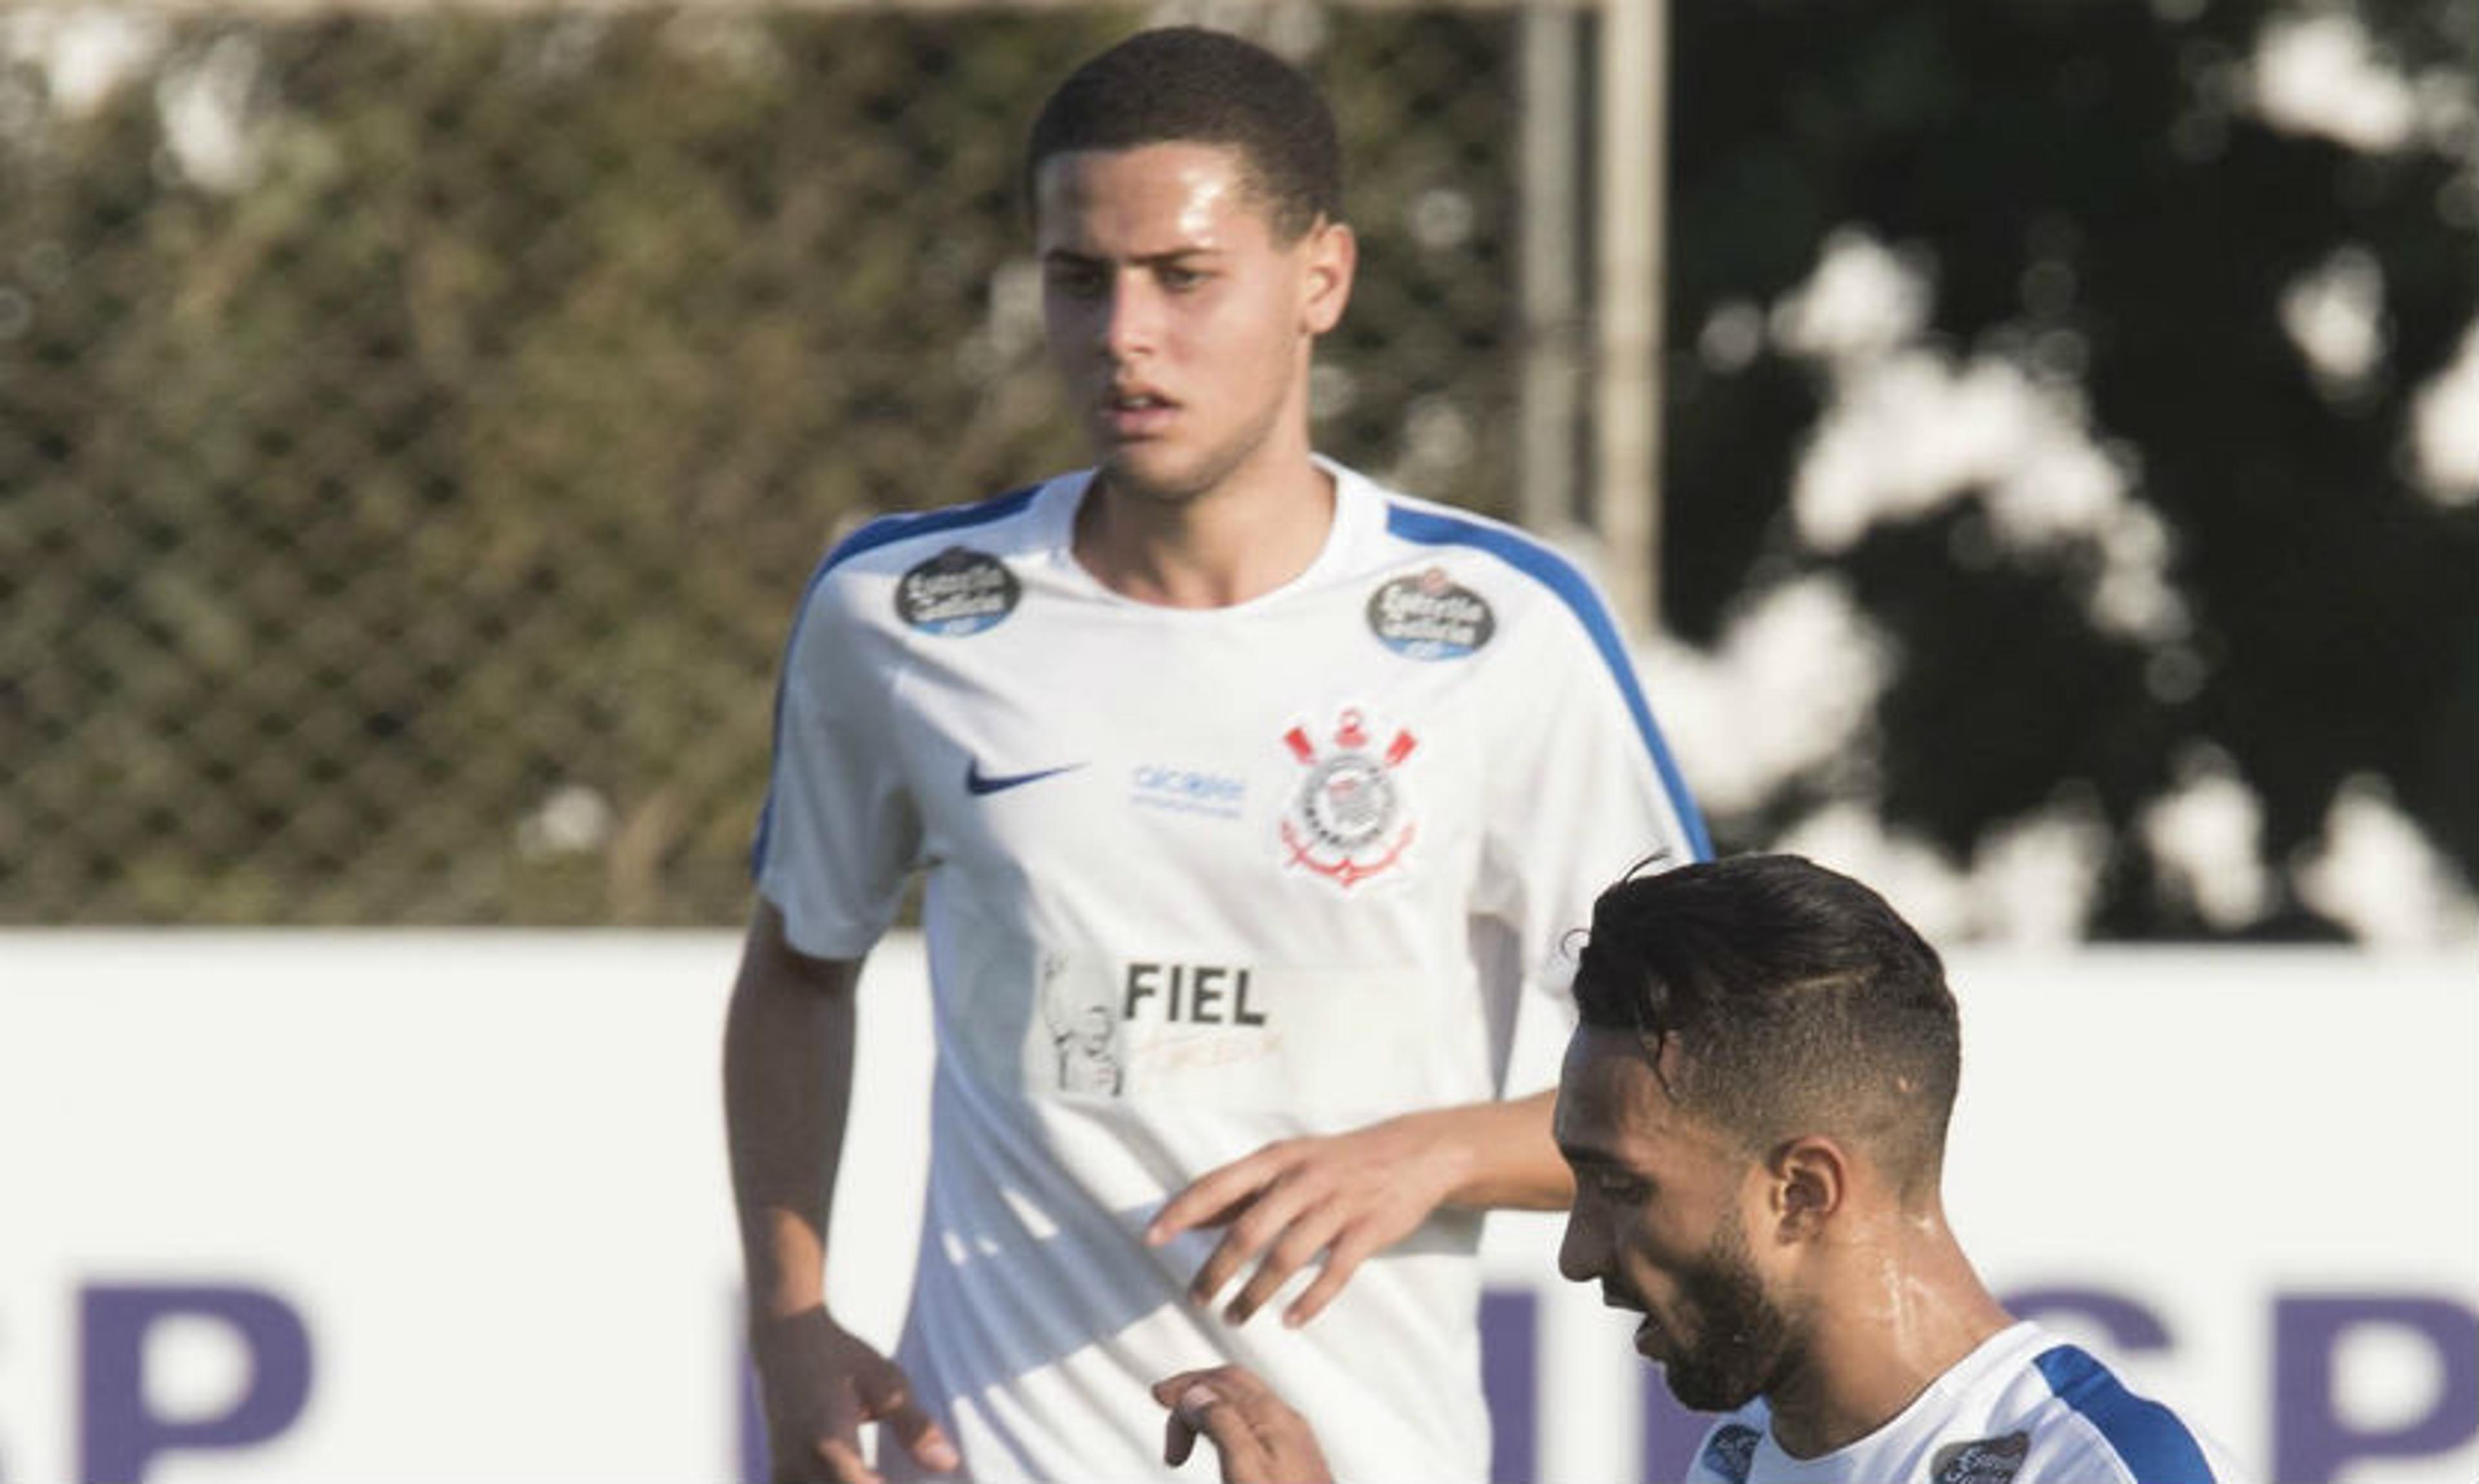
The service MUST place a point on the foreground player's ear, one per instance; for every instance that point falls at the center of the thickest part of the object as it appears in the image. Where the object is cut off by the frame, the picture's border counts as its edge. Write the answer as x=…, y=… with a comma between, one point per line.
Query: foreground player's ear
x=1333, y=253
x=1811, y=1177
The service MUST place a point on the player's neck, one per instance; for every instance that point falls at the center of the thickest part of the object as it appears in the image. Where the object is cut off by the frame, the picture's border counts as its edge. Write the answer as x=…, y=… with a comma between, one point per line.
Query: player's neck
x=1906, y=1316
x=1246, y=537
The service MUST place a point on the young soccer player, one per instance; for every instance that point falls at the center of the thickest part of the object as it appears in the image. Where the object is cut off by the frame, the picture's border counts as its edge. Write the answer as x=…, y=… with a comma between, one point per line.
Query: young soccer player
x=1249, y=793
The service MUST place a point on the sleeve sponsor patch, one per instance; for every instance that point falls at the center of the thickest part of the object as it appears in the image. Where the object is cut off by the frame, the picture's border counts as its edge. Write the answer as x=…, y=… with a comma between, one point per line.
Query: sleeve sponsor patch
x=957, y=592
x=1430, y=617
x=1731, y=1451
x=1982, y=1461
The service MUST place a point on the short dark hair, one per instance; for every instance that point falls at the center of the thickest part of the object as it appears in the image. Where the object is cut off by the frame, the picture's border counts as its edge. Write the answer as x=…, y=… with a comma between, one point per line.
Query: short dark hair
x=1800, y=1000
x=1187, y=84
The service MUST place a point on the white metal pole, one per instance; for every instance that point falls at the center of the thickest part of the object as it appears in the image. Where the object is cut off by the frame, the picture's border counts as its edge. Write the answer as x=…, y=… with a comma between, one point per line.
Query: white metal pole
x=1634, y=79
x=1547, y=501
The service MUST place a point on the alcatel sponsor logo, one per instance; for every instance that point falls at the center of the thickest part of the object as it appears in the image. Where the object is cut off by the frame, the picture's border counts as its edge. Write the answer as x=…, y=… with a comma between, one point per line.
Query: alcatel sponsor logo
x=1187, y=791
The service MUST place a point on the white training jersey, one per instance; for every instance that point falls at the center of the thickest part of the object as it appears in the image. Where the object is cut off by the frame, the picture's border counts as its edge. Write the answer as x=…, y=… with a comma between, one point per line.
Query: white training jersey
x=2025, y=1407
x=1197, y=880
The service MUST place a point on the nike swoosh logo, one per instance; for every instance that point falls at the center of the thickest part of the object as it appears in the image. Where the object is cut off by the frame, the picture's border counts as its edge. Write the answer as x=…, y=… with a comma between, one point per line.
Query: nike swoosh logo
x=978, y=783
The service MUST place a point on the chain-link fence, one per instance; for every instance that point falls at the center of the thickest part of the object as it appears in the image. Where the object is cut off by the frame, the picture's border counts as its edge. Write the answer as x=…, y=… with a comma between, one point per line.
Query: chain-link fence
x=415, y=429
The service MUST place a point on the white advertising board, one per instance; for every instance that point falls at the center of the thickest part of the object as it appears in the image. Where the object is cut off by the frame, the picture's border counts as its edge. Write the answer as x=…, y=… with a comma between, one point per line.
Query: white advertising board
x=382, y=1206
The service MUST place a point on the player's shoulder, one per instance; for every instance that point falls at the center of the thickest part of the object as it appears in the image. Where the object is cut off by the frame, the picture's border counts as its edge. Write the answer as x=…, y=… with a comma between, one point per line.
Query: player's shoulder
x=2079, y=1424
x=2023, y=1408
x=948, y=568
x=1417, y=527
x=893, y=543
x=1511, y=582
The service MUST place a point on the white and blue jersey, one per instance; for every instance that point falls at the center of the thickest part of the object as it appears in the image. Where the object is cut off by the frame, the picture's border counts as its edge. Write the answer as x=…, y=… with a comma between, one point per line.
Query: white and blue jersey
x=1197, y=880
x=2023, y=1407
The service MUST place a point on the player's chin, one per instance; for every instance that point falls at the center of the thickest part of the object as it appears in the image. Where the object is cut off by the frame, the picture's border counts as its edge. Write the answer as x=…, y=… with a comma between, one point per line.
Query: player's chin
x=1149, y=470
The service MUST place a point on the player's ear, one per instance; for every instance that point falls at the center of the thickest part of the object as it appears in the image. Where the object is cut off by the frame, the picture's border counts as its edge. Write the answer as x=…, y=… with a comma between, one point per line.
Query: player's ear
x=1332, y=255
x=1811, y=1178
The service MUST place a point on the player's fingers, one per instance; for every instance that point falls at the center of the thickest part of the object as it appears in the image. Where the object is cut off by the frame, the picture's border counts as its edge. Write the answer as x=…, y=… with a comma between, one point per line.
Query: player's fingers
x=923, y=1437
x=1204, y=1409
x=1217, y=1269
x=1179, y=1440
x=1166, y=1390
x=1179, y=1433
x=1299, y=1247
x=1272, y=1213
x=827, y=1443
x=1342, y=1261
x=1214, y=1197
x=885, y=1396
x=840, y=1462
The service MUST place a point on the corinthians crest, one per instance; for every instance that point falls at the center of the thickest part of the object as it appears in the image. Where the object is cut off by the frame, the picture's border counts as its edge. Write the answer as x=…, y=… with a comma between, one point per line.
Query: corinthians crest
x=1345, y=822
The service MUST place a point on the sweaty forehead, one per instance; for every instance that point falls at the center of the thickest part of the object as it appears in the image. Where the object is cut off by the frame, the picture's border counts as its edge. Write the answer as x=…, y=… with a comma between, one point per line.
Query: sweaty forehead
x=1612, y=1108
x=1607, y=1094
x=1157, y=192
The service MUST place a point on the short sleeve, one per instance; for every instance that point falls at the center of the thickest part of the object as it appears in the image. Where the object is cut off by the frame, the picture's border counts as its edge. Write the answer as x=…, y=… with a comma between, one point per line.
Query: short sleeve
x=1582, y=788
x=839, y=830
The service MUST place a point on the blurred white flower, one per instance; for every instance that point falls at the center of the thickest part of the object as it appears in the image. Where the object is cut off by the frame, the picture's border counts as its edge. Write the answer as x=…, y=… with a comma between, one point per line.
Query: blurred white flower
x=207, y=122
x=1792, y=685
x=2033, y=880
x=2335, y=315
x=2444, y=428
x=2319, y=74
x=574, y=820
x=1910, y=432
x=85, y=53
x=1911, y=874
x=1863, y=301
x=2205, y=836
x=2376, y=873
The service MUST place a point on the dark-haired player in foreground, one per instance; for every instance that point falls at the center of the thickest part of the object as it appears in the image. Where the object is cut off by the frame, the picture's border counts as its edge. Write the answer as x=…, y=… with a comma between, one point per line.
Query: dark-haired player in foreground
x=1755, y=1107
x=1249, y=793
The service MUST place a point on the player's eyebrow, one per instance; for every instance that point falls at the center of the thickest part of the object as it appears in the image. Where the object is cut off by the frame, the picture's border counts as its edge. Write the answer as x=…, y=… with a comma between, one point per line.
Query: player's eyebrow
x=1069, y=257
x=1588, y=1154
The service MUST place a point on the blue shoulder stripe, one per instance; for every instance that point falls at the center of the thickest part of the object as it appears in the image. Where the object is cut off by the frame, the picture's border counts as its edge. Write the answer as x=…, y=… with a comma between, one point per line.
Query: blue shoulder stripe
x=2157, y=1447
x=1560, y=577
x=885, y=530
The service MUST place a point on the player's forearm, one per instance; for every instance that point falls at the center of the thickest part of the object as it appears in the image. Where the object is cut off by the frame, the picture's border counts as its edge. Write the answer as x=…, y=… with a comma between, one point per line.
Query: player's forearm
x=1503, y=1155
x=787, y=1090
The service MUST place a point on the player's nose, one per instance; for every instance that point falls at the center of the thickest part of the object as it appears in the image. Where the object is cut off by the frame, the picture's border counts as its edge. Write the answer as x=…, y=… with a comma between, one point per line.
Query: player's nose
x=1582, y=1252
x=1125, y=322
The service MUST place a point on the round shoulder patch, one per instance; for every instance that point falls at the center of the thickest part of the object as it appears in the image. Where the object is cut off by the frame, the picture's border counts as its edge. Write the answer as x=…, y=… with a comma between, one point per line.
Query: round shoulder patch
x=957, y=592
x=1430, y=615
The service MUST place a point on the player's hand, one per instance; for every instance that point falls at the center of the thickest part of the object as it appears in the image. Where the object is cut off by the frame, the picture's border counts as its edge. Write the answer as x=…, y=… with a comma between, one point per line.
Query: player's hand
x=1339, y=1196
x=820, y=1383
x=1261, y=1440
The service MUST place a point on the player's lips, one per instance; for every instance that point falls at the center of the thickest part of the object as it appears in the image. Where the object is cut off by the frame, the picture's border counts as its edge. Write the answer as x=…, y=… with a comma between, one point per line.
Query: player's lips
x=1648, y=1334
x=1135, y=411
x=1647, y=1339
